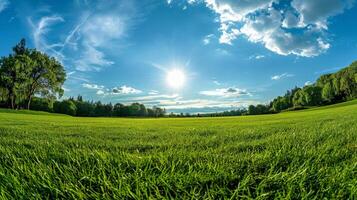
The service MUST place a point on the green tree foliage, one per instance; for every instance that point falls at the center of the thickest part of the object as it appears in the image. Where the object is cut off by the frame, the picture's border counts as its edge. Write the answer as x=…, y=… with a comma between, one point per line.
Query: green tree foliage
x=41, y=104
x=340, y=86
x=13, y=77
x=328, y=92
x=329, y=89
x=79, y=107
x=65, y=107
x=28, y=72
x=258, y=109
x=156, y=112
x=283, y=102
x=45, y=77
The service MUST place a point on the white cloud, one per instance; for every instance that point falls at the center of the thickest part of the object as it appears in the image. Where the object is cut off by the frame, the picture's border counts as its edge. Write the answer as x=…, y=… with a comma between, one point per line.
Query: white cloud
x=65, y=89
x=92, y=86
x=101, y=29
x=256, y=57
x=216, y=82
x=125, y=90
x=228, y=35
x=236, y=10
x=153, y=92
x=3, y=4
x=266, y=29
x=103, y=91
x=223, y=52
x=292, y=20
x=298, y=27
x=225, y=92
x=281, y=76
x=191, y=1
x=207, y=39
x=318, y=11
x=308, y=83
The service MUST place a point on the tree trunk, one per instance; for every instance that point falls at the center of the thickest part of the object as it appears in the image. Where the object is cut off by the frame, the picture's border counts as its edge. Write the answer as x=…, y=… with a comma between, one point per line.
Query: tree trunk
x=12, y=102
x=29, y=103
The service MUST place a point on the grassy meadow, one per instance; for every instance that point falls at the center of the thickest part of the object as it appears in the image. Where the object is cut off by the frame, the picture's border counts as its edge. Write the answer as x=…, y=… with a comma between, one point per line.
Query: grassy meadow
x=308, y=154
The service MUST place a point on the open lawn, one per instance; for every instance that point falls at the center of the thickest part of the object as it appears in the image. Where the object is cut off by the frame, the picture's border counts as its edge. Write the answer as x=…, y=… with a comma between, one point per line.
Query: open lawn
x=308, y=154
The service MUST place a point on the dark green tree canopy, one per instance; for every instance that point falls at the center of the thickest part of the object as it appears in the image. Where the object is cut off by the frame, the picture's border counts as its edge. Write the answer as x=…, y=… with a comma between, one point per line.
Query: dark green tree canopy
x=28, y=72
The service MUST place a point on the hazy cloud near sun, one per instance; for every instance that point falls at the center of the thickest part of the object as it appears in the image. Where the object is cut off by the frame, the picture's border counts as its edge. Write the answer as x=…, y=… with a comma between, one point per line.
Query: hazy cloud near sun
x=298, y=27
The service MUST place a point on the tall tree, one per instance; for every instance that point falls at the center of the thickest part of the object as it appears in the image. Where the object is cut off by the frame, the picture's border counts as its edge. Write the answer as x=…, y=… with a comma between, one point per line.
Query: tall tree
x=13, y=76
x=27, y=72
x=328, y=93
x=46, y=77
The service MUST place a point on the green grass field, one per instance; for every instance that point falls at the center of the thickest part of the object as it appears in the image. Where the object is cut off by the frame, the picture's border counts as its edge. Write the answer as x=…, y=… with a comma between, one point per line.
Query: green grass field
x=308, y=154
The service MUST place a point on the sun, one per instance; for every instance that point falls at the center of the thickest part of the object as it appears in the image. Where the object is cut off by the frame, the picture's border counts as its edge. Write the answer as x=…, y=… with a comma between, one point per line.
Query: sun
x=175, y=78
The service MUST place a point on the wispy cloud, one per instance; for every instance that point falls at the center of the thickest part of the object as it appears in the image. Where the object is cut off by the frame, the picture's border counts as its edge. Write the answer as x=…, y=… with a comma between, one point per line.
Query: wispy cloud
x=217, y=82
x=256, y=57
x=207, y=39
x=92, y=60
x=92, y=86
x=100, y=26
x=281, y=76
x=40, y=29
x=74, y=76
x=158, y=66
x=95, y=32
x=153, y=92
x=152, y=100
x=225, y=92
x=223, y=52
x=204, y=104
x=330, y=70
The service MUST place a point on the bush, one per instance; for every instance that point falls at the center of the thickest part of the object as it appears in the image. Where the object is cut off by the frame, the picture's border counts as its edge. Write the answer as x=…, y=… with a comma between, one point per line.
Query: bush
x=65, y=107
x=41, y=104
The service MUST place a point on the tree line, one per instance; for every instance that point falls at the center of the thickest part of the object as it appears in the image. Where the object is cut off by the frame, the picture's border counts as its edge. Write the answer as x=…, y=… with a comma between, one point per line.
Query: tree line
x=30, y=79
x=328, y=89
x=81, y=108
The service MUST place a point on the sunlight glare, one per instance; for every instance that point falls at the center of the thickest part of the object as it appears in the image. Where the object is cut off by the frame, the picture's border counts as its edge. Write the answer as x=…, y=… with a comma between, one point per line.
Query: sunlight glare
x=175, y=78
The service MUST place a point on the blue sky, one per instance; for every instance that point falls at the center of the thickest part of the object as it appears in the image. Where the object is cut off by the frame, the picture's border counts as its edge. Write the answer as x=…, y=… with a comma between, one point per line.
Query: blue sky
x=231, y=53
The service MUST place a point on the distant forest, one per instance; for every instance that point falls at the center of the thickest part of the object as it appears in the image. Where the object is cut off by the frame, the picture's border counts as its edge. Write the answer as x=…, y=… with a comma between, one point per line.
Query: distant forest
x=30, y=79
x=328, y=89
